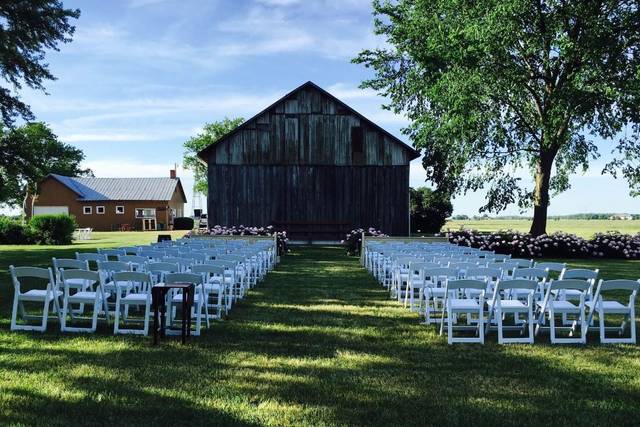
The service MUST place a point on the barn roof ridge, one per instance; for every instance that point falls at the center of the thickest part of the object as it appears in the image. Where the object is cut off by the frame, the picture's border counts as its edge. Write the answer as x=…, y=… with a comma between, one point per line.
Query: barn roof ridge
x=126, y=189
x=414, y=153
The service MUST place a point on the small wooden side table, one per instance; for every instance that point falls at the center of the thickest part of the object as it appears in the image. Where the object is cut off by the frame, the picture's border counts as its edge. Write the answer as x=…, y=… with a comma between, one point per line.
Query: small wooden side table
x=159, y=305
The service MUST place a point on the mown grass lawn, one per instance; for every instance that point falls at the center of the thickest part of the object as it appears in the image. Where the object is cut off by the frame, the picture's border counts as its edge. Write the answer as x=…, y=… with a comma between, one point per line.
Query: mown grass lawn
x=581, y=227
x=318, y=343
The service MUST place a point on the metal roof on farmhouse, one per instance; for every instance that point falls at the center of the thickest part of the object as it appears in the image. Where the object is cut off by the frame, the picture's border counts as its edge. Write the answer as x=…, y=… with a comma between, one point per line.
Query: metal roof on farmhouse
x=103, y=189
x=414, y=154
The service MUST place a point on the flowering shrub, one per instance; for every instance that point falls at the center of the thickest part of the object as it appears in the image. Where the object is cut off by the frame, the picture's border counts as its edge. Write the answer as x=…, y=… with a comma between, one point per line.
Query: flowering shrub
x=616, y=245
x=556, y=245
x=353, y=240
x=281, y=236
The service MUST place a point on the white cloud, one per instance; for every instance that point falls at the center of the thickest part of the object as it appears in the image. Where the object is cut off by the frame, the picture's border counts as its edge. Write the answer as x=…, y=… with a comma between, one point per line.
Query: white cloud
x=279, y=2
x=346, y=91
x=143, y=3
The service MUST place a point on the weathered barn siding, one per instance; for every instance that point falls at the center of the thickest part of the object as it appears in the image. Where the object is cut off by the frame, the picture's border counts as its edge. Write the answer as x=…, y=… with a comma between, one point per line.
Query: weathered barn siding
x=295, y=163
x=307, y=131
x=267, y=194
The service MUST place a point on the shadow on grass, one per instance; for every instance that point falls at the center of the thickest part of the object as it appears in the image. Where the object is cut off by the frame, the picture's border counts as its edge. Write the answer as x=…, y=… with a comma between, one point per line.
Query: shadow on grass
x=317, y=343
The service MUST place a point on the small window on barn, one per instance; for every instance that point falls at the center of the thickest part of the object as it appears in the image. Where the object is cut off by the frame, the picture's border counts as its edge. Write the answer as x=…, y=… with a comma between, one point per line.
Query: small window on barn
x=356, y=139
x=100, y=210
x=87, y=210
x=120, y=210
x=357, y=145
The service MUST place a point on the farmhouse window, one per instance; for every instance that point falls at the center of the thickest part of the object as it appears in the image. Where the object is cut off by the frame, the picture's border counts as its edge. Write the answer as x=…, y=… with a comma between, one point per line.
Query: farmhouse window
x=100, y=210
x=87, y=210
x=120, y=210
x=145, y=213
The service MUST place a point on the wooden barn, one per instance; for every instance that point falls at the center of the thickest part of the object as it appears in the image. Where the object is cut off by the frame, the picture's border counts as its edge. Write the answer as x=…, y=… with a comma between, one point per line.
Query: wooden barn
x=311, y=165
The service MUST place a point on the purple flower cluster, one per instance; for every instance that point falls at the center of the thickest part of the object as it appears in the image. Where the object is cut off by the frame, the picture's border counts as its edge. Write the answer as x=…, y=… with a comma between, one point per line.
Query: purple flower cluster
x=556, y=245
x=353, y=239
x=241, y=230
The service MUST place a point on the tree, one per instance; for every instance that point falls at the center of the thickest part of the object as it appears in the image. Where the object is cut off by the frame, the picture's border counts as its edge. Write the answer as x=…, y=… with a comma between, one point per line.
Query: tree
x=211, y=133
x=492, y=87
x=28, y=154
x=428, y=209
x=27, y=29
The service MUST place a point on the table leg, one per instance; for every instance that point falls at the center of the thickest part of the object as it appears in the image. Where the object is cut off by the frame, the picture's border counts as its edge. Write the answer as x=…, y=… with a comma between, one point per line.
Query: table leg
x=184, y=317
x=163, y=320
x=189, y=305
x=155, y=324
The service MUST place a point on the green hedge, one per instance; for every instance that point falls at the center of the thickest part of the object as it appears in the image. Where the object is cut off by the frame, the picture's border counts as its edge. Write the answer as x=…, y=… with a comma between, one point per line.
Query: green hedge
x=53, y=229
x=13, y=232
x=183, y=223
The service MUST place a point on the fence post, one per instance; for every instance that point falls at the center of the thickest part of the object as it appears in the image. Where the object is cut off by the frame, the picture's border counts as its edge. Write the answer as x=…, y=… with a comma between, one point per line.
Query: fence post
x=362, y=249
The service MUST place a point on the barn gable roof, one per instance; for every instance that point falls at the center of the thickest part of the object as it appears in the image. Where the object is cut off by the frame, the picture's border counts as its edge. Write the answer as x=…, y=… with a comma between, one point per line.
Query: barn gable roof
x=121, y=189
x=413, y=154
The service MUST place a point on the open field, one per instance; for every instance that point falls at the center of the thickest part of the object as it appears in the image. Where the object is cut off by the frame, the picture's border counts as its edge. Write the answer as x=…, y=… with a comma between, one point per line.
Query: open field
x=318, y=343
x=583, y=228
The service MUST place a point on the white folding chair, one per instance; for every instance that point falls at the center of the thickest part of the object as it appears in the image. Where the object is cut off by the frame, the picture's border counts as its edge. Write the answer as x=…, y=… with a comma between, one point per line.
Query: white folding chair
x=137, y=262
x=553, y=304
x=177, y=298
x=214, y=287
x=571, y=294
x=45, y=296
x=70, y=264
x=112, y=254
x=434, y=291
x=136, y=293
x=556, y=267
x=601, y=306
x=456, y=303
x=93, y=294
x=91, y=257
x=507, y=299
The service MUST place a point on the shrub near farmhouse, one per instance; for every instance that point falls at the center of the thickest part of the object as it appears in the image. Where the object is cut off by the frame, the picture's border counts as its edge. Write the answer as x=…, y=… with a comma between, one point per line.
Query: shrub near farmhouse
x=13, y=232
x=53, y=229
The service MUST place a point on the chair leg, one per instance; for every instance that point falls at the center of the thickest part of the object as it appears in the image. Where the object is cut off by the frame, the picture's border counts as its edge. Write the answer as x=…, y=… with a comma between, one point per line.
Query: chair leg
x=14, y=311
x=500, y=331
x=481, y=323
x=65, y=307
x=449, y=326
x=45, y=314
x=530, y=321
x=116, y=320
x=552, y=326
x=147, y=314
x=603, y=337
x=96, y=310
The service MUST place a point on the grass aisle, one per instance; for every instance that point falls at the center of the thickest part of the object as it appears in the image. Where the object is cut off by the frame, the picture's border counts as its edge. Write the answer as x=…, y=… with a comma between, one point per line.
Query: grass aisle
x=318, y=343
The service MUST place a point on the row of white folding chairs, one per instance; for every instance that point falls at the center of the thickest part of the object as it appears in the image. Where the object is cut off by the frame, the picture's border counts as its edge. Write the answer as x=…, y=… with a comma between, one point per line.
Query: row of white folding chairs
x=237, y=287
x=467, y=297
x=257, y=262
x=395, y=268
x=83, y=286
x=86, y=287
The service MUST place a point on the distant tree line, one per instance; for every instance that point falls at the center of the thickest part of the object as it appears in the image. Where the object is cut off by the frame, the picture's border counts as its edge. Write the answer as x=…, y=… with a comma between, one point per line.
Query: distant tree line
x=583, y=216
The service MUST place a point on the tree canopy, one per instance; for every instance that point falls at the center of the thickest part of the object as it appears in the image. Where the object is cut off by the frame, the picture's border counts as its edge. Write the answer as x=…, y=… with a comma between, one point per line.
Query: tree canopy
x=429, y=210
x=29, y=153
x=211, y=133
x=28, y=28
x=493, y=88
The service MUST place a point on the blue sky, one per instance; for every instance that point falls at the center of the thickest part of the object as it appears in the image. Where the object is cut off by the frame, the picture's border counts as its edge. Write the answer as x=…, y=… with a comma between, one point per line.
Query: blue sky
x=142, y=76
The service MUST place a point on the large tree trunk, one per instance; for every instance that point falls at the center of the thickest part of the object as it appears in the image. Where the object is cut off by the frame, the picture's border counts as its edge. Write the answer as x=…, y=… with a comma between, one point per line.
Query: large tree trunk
x=541, y=193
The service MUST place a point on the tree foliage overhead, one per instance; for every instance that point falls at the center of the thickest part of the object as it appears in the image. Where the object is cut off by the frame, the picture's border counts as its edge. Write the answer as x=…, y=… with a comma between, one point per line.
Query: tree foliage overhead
x=28, y=154
x=492, y=87
x=429, y=210
x=27, y=29
x=211, y=133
